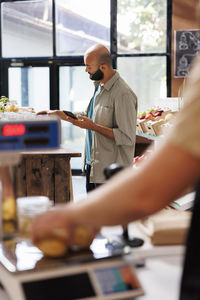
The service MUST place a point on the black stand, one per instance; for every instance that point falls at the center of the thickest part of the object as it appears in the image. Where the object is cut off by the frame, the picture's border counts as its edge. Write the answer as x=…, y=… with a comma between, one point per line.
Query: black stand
x=109, y=171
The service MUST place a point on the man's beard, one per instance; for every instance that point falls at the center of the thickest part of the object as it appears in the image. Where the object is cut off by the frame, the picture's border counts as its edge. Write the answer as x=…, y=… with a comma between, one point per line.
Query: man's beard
x=98, y=75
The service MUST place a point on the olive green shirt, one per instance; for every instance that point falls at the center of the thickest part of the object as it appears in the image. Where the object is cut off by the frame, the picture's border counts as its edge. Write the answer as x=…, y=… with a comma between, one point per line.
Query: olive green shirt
x=115, y=107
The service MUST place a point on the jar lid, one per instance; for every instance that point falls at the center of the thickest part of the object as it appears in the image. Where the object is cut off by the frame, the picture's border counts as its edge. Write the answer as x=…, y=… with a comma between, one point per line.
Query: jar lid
x=33, y=204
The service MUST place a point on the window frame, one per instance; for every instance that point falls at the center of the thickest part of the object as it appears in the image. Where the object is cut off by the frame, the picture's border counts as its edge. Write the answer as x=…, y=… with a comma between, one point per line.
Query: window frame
x=55, y=61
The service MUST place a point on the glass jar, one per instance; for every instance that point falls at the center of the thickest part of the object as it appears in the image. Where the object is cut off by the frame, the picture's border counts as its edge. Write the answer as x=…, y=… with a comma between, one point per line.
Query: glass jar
x=27, y=209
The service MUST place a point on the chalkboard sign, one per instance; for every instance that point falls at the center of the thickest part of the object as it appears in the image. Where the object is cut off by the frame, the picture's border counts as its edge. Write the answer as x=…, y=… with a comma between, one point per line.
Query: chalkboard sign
x=187, y=44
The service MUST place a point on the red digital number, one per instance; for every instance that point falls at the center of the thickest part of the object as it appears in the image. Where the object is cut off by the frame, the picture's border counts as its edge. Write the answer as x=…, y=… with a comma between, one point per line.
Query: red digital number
x=13, y=129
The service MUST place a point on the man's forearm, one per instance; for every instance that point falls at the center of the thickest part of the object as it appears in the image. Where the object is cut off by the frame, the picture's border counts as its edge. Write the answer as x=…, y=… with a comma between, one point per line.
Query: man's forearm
x=107, y=132
x=132, y=195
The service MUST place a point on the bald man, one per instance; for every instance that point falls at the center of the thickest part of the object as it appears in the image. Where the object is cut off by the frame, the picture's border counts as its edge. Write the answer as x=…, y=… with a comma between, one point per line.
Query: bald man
x=110, y=118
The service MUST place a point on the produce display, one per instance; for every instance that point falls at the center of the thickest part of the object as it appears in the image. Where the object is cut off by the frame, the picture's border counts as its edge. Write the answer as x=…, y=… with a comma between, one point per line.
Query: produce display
x=155, y=121
x=3, y=103
x=8, y=106
x=11, y=107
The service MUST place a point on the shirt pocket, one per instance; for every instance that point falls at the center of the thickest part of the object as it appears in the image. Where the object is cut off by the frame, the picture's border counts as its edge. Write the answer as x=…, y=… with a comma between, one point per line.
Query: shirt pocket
x=104, y=116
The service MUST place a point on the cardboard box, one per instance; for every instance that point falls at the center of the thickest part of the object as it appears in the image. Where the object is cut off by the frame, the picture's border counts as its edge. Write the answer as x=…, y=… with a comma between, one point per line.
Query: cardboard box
x=140, y=126
x=168, y=227
x=154, y=127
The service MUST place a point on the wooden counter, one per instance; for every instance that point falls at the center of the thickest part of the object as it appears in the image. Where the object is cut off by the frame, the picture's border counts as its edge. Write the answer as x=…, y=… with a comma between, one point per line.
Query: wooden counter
x=46, y=173
x=143, y=141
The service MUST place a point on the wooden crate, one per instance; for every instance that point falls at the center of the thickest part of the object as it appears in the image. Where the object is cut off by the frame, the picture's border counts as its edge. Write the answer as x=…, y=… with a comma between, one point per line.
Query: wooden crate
x=45, y=174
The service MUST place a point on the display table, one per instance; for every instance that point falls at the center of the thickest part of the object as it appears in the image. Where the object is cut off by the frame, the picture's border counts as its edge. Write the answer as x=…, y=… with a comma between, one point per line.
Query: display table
x=147, y=137
x=46, y=173
x=143, y=141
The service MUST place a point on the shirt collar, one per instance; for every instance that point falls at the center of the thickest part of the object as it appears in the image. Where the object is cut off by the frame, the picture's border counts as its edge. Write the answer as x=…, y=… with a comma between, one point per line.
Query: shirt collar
x=109, y=83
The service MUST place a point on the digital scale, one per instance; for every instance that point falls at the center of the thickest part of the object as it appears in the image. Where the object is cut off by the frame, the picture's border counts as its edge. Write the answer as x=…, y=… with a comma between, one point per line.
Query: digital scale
x=39, y=133
x=105, y=271
x=42, y=132
x=98, y=273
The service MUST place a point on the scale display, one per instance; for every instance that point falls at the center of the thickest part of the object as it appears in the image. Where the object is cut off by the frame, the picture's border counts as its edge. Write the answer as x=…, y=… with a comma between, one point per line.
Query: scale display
x=39, y=133
x=62, y=288
x=116, y=279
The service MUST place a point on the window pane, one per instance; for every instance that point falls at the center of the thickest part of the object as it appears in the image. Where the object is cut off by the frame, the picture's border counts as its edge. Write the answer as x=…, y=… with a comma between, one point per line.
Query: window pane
x=27, y=28
x=141, y=26
x=81, y=24
x=76, y=89
x=29, y=87
x=147, y=77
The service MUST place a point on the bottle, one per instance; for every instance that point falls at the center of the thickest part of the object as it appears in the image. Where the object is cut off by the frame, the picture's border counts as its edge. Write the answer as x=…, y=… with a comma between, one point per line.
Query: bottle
x=8, y=203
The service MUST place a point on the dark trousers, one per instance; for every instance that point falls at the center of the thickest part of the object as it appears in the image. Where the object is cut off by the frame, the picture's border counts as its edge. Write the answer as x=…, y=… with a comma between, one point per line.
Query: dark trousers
x=90, y=185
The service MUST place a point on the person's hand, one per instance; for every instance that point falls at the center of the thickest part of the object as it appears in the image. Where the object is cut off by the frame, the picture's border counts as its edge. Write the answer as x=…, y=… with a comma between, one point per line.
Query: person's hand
x=43, y=112
x=55, y=218
x=84, y=122
x=59, y=217
x=58, y=113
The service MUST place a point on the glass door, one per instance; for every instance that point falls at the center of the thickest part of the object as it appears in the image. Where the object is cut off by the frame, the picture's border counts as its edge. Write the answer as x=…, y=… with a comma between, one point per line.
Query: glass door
x=29, y=86
x=75, y=90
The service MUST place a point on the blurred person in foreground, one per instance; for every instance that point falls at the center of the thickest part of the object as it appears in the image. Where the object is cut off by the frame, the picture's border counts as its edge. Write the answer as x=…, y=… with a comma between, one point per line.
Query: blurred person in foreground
x=110, y=118
x=131, y=195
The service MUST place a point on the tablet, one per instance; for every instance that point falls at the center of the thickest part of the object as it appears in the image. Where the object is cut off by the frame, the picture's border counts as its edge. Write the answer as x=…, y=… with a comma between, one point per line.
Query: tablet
x=70, y=114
